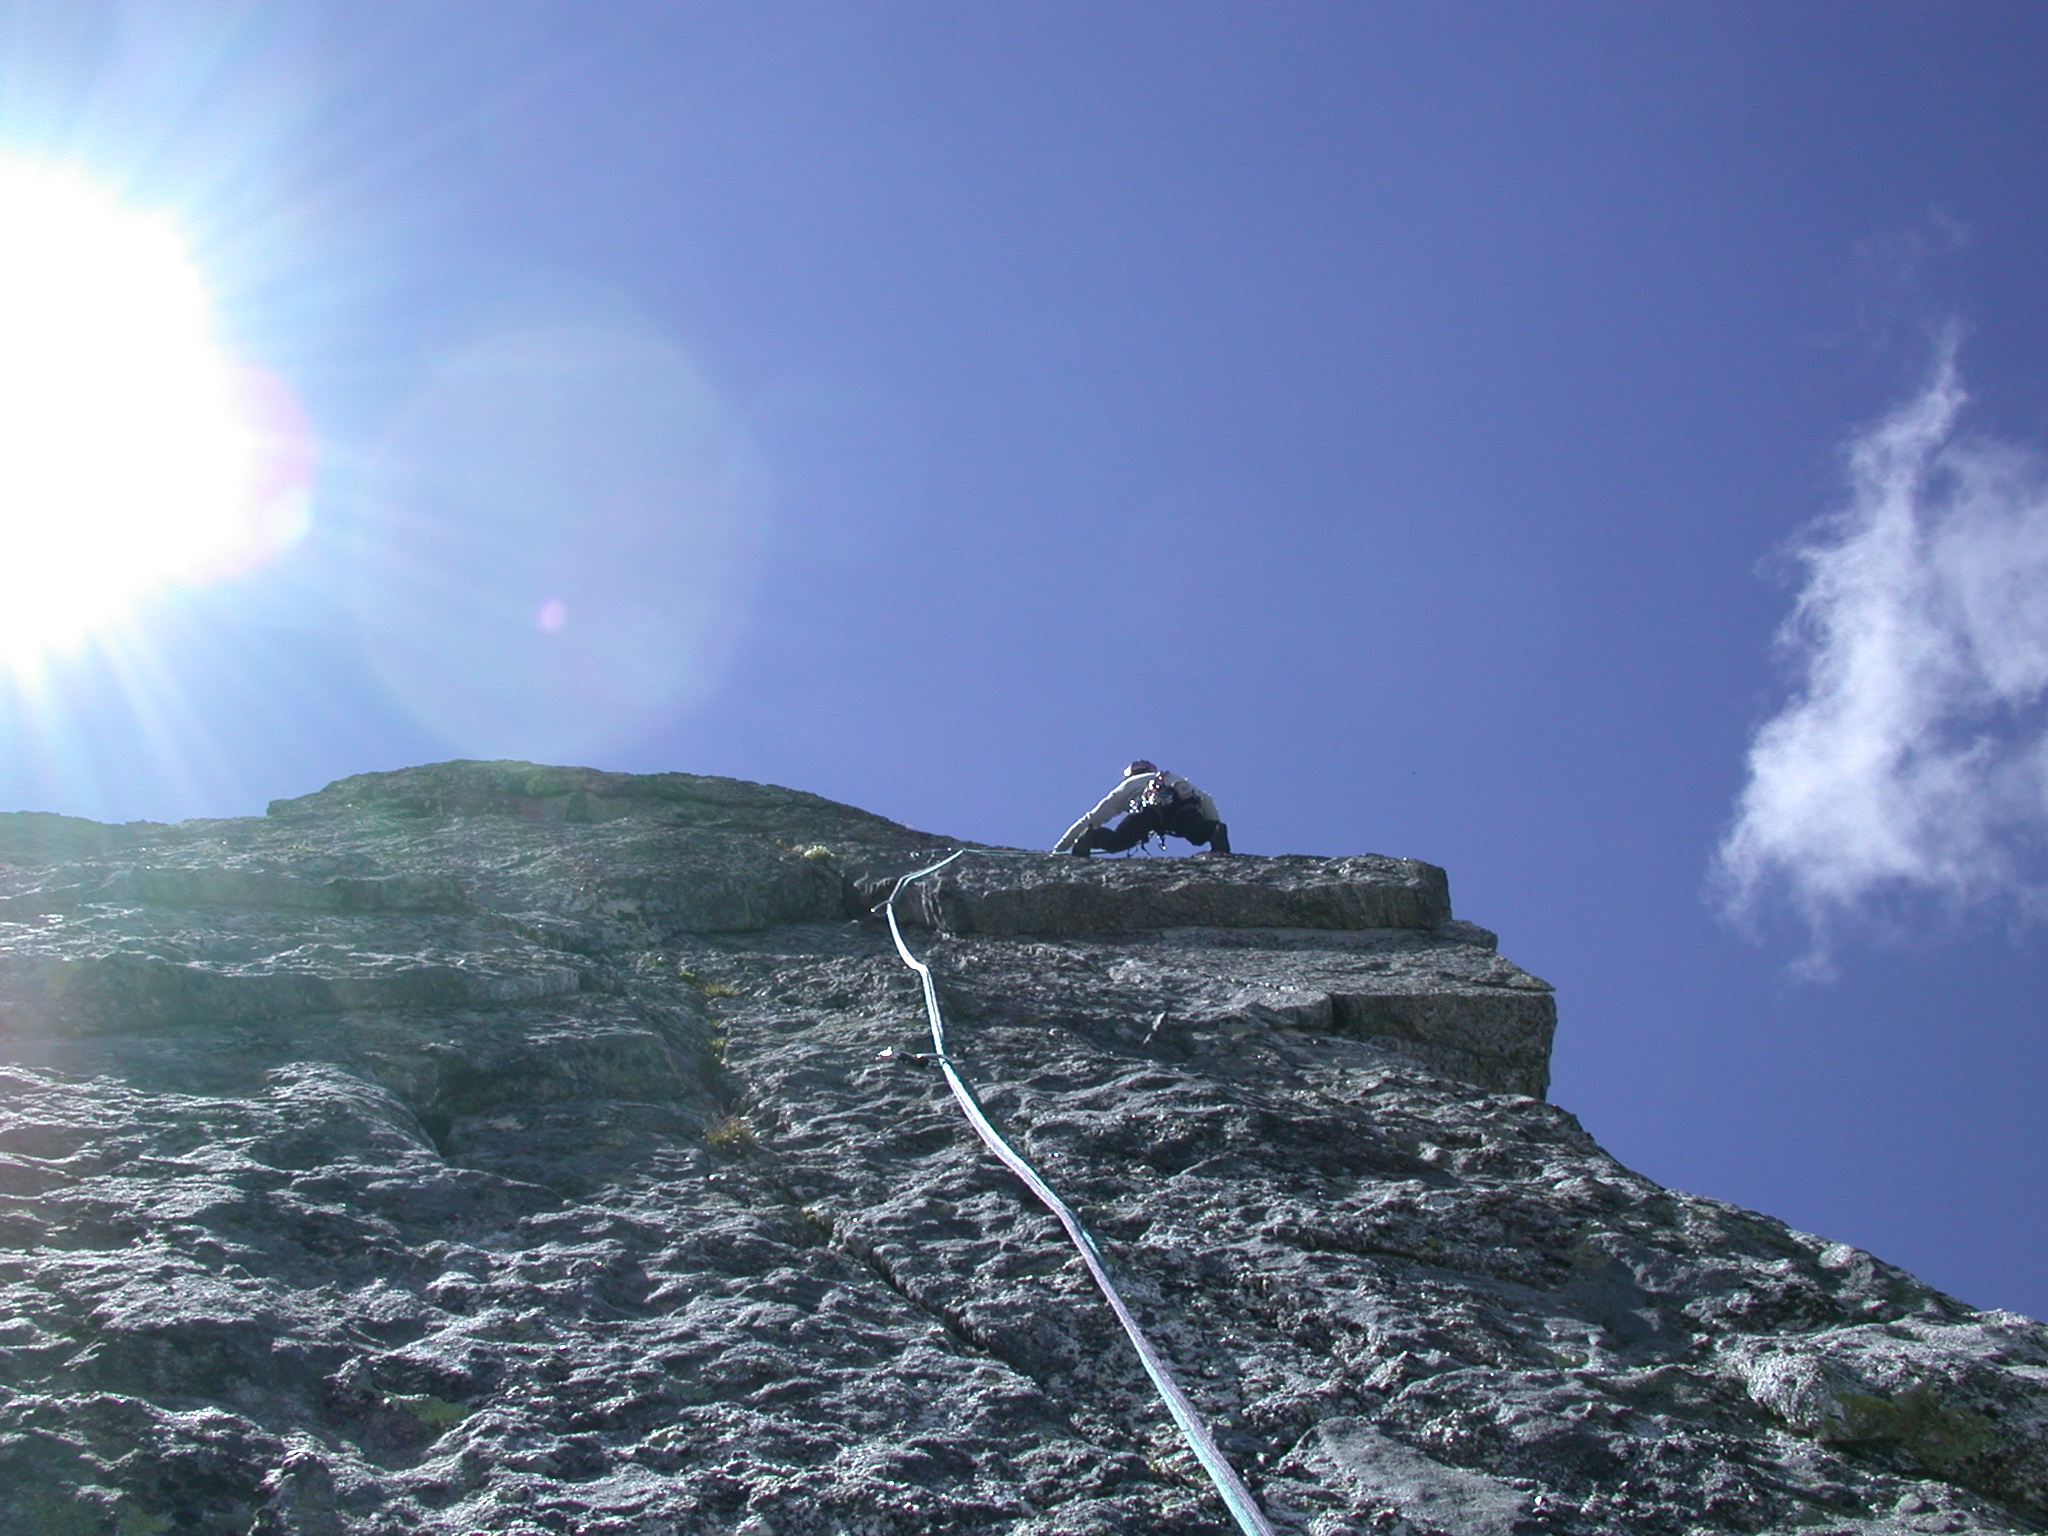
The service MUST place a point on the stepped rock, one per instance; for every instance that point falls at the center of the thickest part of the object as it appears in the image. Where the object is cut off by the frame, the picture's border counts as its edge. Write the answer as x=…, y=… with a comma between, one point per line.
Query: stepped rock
x=485, y=1147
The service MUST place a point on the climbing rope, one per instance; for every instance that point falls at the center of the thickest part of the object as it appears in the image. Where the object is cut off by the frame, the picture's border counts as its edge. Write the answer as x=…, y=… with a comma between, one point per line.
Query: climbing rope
x=1236, y=1497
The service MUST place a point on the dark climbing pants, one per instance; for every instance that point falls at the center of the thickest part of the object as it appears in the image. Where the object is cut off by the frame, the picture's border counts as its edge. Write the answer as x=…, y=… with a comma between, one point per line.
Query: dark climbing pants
x=1184, y=821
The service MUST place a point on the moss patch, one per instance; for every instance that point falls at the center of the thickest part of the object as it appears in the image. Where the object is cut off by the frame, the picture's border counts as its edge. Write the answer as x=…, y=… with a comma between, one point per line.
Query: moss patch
x=1919, y=1422
x=434, y=1412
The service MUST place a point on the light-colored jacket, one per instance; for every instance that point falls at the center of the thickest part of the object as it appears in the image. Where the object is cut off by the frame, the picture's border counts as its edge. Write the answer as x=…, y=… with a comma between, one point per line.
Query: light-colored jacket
x=1126, y=797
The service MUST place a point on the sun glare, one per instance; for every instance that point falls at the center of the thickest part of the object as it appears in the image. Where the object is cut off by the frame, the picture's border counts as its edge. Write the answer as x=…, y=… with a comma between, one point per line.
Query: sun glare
x=133, y=450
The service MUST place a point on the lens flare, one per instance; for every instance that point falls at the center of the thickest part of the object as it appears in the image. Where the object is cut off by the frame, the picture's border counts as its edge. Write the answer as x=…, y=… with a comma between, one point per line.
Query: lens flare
x=133, y=450
x=557, y=542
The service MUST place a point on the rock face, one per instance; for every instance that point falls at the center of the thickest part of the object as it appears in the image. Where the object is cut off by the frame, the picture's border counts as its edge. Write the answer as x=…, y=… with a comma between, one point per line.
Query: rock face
x=495, y=1148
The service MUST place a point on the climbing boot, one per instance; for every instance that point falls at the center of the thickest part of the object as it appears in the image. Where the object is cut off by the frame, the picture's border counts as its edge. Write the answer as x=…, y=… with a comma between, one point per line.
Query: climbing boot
x=1219, y=840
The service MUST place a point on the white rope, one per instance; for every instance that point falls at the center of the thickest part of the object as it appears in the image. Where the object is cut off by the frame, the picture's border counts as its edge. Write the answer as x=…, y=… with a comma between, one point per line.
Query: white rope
x=1236, y=1497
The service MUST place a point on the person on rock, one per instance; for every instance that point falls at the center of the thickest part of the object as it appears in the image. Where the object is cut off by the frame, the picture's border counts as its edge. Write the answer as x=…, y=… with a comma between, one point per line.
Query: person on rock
x=1153, y=803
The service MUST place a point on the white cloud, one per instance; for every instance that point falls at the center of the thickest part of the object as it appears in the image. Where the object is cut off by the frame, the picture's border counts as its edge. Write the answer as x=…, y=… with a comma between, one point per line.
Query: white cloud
x=1912, y=760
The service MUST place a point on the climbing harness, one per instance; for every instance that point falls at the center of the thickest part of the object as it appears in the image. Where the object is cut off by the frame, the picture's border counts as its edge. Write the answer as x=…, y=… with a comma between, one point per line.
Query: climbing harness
x=1162, y=795
x=1236, y=1497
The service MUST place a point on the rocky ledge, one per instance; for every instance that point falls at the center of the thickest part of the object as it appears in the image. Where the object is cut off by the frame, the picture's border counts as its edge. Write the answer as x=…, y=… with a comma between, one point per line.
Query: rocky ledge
x=486, y=1147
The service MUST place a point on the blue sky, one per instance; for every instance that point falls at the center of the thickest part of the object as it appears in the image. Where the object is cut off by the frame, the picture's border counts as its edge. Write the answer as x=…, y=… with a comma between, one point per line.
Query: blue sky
x=1417, y=424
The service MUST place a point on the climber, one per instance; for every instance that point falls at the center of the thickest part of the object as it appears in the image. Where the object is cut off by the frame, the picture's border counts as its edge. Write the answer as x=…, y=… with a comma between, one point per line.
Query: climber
x=1157, y=804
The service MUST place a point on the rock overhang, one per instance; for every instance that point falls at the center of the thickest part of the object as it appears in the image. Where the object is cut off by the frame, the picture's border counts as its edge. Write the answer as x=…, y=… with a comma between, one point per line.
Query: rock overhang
x=1366, y=944
x=1438, y=997
x=1006, y=892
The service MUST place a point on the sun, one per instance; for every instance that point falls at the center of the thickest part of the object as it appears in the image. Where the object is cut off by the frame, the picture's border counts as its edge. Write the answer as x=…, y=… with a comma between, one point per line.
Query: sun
x=134, y=451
